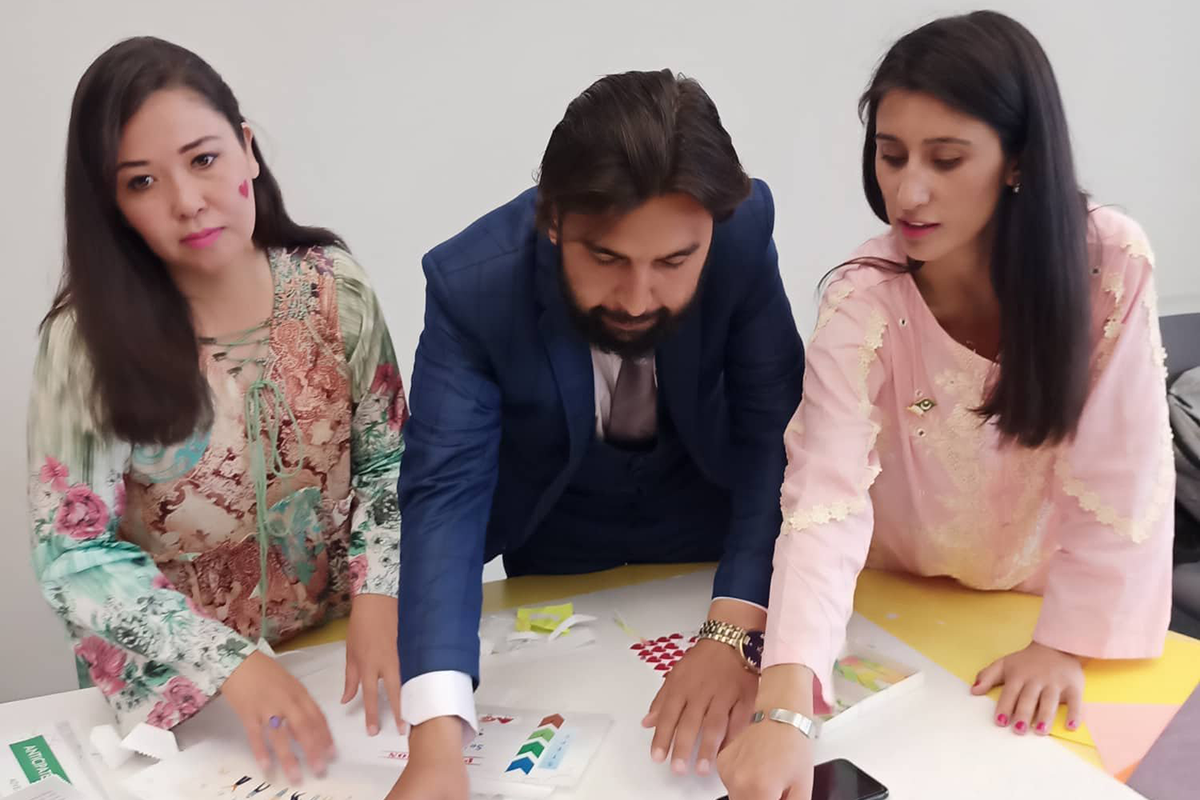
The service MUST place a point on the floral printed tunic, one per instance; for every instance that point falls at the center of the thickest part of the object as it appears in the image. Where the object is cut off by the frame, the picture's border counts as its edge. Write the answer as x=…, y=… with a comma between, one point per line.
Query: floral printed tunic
x=150, y=554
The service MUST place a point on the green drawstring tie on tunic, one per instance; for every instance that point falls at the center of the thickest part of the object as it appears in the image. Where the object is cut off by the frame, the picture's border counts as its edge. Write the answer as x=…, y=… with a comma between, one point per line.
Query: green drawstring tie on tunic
x=264, y=410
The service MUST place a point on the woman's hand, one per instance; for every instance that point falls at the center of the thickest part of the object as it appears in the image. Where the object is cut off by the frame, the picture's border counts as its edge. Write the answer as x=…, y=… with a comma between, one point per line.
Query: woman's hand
x=1035, y=680
x=274, y=707
x=769, y=760
x=371, y=656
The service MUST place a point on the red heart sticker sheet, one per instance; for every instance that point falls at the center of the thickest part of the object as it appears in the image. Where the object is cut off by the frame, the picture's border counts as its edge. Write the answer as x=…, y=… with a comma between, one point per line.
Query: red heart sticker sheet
x=663, y=653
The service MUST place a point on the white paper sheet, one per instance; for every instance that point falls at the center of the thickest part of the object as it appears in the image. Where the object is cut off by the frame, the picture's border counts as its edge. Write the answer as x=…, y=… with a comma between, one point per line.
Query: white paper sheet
x=52, y=788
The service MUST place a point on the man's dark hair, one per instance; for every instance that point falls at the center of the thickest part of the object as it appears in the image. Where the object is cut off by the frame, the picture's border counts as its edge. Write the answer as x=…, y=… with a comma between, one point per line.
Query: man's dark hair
x=634, y=136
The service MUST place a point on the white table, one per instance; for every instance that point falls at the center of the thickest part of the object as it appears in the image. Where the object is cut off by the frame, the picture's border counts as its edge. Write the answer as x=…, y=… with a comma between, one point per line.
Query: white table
x=936, y=743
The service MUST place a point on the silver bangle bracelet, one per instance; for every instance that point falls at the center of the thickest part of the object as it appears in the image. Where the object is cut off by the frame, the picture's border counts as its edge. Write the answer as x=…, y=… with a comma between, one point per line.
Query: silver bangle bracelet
x=806, y=725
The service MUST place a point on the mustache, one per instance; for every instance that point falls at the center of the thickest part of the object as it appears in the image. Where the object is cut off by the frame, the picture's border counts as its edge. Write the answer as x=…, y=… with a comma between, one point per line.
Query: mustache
x=600, y=312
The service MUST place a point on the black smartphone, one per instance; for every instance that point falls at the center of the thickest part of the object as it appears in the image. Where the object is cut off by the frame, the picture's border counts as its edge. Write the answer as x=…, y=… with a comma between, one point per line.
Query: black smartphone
x=841, y=780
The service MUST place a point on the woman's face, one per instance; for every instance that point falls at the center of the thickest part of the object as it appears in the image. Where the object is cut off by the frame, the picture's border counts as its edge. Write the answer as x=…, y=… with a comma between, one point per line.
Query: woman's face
x=941, y=173
x=184, y=182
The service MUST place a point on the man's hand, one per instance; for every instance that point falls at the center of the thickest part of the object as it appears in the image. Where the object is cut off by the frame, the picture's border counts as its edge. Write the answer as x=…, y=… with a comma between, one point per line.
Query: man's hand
x=708, y=695
x=435, y=768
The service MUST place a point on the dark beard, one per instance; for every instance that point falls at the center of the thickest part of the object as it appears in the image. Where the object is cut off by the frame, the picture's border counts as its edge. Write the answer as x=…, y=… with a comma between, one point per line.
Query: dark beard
x=591, y=325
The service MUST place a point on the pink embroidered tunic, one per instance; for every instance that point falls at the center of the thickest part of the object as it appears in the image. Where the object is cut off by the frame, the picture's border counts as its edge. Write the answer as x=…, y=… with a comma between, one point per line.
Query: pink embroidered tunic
x=889, y=467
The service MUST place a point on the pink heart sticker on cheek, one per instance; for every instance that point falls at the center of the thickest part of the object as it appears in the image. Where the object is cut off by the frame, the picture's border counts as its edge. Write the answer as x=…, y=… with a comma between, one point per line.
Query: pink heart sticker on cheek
x=244, y=189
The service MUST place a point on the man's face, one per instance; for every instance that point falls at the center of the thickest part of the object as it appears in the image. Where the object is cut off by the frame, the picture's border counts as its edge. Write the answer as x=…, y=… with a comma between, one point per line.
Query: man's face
x=630, y=278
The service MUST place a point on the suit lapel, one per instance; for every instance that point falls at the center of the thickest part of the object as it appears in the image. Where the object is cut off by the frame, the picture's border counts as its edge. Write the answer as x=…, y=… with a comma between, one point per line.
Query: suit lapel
x=570, y=356
x=678, y=363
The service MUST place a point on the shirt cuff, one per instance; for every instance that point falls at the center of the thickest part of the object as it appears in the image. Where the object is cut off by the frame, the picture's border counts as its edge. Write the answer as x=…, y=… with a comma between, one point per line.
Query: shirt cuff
x=443, y=693
x=747, y=602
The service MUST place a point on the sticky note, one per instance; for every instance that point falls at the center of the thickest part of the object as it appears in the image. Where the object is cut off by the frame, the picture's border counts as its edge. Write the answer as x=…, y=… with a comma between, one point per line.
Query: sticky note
x=543, y=619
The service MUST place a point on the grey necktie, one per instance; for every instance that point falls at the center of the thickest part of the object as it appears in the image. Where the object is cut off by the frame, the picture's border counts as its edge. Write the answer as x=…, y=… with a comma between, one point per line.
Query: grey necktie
x=633, y=416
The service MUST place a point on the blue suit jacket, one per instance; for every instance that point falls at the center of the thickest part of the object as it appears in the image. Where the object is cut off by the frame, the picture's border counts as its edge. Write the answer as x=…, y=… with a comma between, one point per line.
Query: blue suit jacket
x=502, y=410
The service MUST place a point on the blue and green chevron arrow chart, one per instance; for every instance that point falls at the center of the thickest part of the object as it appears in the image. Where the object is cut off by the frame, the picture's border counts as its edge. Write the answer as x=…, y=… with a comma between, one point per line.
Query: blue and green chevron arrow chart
x=531, y=751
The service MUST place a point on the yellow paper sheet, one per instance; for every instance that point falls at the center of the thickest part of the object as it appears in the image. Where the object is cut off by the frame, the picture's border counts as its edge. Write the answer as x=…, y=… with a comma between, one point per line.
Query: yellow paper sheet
x=1085, y=751
x=513, y=592
x=544, y=619
x=326, y=634
x=959, y=629
x=964, y=630
x=1168, y=680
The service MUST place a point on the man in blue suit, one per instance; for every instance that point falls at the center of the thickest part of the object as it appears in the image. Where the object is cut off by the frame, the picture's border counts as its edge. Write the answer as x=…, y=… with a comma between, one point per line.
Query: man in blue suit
x=607, y=366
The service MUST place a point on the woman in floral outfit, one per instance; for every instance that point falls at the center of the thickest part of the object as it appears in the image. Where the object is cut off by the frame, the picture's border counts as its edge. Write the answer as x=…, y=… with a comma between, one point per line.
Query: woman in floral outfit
x=215, y=427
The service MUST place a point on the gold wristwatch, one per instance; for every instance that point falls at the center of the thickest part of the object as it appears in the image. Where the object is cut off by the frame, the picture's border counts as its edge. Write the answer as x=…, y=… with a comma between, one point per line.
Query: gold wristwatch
x=748, y=644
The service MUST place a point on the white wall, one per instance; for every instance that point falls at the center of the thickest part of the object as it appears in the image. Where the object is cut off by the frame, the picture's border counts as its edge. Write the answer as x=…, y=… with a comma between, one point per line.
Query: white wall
x=398, y=123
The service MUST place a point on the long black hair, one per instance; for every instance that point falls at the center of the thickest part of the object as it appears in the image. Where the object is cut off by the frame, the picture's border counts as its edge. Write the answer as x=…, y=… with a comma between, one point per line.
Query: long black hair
x=989, y=66
x=132, y=319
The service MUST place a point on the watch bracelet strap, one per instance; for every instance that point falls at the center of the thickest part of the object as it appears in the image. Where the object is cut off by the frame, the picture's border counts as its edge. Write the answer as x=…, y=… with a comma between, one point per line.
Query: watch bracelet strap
x=723, y=632
x=736, y=644
x=731, y=635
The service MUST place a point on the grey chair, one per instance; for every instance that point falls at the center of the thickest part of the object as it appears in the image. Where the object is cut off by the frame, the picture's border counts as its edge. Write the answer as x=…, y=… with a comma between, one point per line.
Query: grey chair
x=1181, y=338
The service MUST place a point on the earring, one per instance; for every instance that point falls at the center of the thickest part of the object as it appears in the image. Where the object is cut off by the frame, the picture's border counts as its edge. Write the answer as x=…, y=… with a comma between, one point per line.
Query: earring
x=1016, y=188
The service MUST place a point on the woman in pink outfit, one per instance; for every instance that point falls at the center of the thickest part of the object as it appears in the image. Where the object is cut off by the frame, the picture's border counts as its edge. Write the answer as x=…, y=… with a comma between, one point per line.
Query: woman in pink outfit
x=984, y=398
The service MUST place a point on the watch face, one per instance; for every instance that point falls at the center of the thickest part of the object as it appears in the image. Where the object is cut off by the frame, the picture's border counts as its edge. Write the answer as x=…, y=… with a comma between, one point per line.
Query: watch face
x=752, y=648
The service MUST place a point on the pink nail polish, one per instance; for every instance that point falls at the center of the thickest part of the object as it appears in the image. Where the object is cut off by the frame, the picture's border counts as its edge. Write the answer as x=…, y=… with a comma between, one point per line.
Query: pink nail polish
x=975, y=685
x=1041, y=727
x=1002, y=720
x=1072, y=724
x=1020, y=727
